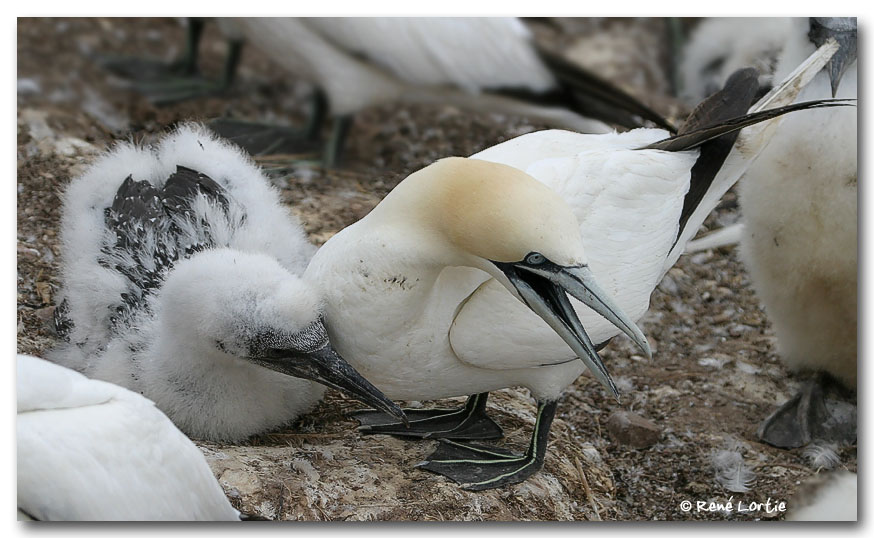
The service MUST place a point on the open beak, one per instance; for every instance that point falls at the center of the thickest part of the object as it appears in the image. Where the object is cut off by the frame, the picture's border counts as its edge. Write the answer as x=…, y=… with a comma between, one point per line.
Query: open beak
x=327, y=367
x=843, y=30
x=544, y=289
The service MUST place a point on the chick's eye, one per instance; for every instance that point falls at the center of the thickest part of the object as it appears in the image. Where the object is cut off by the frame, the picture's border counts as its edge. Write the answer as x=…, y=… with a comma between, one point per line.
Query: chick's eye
x=535, y=258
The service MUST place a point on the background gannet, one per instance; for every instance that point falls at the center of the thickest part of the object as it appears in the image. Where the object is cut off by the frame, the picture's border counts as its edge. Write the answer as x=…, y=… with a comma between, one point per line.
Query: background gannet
x=416, y=292
x=479, y=63
x=89, y=450
x=799, y=206
x=180, y=281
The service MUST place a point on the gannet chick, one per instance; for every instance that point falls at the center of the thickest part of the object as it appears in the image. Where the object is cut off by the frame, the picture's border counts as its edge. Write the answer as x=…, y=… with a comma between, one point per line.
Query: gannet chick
x=826, y=497
x=720, y=46
x=799, y=206
x=180, y=274
x=484, y=64
x=457, y=282
x=89, y=450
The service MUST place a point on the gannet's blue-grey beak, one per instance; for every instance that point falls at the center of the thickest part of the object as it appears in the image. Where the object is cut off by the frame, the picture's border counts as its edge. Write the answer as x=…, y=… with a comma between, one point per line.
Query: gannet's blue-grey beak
x=544, y=286
x=843, y=30
x=326, y=366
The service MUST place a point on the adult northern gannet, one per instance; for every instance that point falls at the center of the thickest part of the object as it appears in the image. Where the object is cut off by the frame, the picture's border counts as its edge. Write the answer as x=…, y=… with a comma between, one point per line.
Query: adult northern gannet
x=427, y=294
x=486, y=64
x=89, y=450
x=799, y=206
x=180, y=273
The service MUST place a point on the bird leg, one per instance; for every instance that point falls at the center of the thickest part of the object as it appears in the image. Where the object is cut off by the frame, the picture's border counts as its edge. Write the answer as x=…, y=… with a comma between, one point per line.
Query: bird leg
x=146, y=69
x=288, y=144
x=822, y=409
x=165, y=83
x=173, y=89
x=337, y=141
x=478, y=467
x=468, y=422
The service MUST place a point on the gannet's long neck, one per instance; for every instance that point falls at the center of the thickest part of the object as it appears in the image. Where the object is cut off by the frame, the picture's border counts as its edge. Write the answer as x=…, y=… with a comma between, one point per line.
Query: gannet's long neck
x=394, y=273
x=387, y=270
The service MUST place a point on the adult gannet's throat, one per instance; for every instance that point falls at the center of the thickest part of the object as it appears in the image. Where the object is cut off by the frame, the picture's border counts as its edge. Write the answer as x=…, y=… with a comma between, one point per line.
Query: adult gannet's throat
x=543, y=286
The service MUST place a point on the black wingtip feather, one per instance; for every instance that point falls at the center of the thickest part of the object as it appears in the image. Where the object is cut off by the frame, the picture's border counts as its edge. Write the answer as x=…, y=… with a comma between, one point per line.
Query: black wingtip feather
x=693, y=139
x=734, y=99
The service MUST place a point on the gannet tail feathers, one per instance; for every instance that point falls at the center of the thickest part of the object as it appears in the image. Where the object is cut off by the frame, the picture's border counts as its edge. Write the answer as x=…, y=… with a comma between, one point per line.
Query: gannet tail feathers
x=590, y=95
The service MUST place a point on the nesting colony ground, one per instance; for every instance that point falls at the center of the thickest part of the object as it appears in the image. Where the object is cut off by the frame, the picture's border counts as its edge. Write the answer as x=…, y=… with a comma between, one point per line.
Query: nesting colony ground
x=714, y=375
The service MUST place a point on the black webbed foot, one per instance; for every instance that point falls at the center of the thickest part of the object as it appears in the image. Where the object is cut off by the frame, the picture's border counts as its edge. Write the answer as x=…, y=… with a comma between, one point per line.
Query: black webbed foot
x=478, y=467
x=822, y=409
x=468, y=422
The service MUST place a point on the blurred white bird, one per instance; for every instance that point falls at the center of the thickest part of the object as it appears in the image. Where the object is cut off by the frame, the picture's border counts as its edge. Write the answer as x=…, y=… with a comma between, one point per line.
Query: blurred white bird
x=826, y=497
x=180, y=273
x=720, y=46
x=799, y=206
x=92, y=451
x=485, y=64
x=457, y=282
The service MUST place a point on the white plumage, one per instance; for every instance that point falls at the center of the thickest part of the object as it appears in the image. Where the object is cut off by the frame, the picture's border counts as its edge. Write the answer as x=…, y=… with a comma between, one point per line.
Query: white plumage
x=364, y=61
x=92, y=451
x=826, y=497
x=799, y=208
x=188, y=303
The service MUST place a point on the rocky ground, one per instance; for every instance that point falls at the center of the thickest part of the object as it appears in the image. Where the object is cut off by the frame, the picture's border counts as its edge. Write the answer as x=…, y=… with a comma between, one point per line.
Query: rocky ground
x=714, y=375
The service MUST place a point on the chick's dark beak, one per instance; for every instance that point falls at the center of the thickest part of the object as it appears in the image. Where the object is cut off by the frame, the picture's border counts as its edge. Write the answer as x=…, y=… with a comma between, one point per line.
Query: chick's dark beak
x=327, y=367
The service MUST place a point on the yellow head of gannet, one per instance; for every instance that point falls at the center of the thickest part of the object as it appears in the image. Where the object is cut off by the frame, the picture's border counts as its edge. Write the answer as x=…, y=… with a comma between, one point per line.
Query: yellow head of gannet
x=501, y=220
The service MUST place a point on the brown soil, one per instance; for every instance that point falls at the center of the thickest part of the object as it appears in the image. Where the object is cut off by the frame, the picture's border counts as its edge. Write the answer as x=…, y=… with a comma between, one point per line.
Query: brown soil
x=713, y=378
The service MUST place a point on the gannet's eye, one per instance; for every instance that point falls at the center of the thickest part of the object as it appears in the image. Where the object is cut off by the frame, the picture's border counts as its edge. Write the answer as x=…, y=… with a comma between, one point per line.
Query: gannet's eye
x=535, y=258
